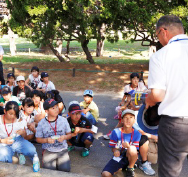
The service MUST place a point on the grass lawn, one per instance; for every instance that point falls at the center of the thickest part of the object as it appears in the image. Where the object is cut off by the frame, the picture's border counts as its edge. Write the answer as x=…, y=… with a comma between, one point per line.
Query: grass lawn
x=116, y=53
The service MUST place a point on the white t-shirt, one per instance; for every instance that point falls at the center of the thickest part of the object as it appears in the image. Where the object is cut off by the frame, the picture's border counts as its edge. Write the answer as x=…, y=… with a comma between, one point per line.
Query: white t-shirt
x=1, y=50
x=28, y=119
x=48, y=87
x=11, y=128
x=141, y=87
x=34, y=80
x=168, y=70
x=39, y=110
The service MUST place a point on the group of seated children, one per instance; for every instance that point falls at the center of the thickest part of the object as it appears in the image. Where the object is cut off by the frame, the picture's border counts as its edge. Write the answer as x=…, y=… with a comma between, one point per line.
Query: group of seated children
x=125, y=154
x=31, y=111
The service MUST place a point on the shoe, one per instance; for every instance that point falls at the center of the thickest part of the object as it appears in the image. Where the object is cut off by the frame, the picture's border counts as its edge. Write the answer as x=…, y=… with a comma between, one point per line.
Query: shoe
x=106, y=137
x=85, y=152
x=71, y=148
x=146, y=168
x=130, y=172
x=22, y=159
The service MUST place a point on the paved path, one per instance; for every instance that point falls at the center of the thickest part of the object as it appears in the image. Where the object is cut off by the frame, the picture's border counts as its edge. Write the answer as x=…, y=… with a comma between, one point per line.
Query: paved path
x=100, y=153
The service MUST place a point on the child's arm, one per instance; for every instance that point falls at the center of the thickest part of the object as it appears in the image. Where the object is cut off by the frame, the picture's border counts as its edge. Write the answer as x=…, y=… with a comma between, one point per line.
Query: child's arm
x=7, y=140
x=116, y=152
x=45, y=140
x=85, y=110
x=66, y=137
x=27, y=84
x=83, y=130
x=21, y=132
x=150, y=136
x=123, y=100
x=2, y=104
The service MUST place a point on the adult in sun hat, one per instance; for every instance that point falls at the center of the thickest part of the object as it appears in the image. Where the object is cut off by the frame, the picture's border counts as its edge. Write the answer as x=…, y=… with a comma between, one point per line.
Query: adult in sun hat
x=21, y=90
x=167, y=67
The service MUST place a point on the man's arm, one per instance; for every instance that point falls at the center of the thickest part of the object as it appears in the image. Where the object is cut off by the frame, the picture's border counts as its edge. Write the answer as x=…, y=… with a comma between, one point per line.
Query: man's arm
x=156, y=95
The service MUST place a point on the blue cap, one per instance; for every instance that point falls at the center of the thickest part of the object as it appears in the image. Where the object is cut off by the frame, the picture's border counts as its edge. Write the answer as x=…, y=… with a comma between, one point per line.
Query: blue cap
x=10, y=75
x=49, y=103
x=88, y=92
x=44, y=74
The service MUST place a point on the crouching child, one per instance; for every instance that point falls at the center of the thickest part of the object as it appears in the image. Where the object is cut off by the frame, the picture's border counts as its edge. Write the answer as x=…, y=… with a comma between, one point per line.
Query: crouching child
x=82, y=128
x=52, y=132
x=124, y=142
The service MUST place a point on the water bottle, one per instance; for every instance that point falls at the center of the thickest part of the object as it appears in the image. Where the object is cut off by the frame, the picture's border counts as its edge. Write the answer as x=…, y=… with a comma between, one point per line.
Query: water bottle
x=22, y=159
x=36, y=163
x=138, y=98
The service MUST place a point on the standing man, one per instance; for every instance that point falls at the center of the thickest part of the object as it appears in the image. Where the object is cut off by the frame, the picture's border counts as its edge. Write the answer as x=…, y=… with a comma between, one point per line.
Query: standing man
x=1, y=66
x=168, y=81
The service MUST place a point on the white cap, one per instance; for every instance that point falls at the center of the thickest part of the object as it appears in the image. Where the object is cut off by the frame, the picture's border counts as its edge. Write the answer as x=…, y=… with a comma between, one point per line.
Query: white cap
x=127, y=111
x=20, y=78
x=74, y=102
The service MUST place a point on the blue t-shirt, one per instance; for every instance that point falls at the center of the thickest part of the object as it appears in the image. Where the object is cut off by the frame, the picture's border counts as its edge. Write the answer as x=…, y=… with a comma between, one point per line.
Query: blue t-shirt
x=117, y=136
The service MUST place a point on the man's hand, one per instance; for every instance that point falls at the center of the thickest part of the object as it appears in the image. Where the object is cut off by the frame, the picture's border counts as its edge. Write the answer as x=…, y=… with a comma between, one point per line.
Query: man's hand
x=149, y=102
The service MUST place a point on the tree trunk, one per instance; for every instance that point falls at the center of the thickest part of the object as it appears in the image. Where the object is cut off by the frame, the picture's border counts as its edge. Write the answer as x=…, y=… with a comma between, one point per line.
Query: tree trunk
x=59, y=44
x=56, y=53
x=67, y=51
x=86, y=50
x=100, y=40
x=12, y=42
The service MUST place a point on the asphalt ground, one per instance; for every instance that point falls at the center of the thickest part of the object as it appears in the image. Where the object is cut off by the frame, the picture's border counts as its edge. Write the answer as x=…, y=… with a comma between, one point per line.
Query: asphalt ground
x=100, y=153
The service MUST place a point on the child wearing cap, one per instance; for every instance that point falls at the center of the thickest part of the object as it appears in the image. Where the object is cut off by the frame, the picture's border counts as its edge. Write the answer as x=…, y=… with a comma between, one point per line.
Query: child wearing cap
x=21, y=91
x=124, y=142
x=82, y=127
x=11, y=81
x=45, y=85
x=52, y=132
x=6, y=97
x=91, y=110
x=34, y=78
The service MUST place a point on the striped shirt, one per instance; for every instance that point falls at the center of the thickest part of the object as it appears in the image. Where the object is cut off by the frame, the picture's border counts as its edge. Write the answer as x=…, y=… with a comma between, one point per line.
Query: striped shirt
x=117, y=137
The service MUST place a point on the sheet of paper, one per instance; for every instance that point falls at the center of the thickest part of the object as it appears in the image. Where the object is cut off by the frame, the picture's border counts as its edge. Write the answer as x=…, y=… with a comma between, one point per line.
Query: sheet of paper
x=94, y=129
x=117, y=159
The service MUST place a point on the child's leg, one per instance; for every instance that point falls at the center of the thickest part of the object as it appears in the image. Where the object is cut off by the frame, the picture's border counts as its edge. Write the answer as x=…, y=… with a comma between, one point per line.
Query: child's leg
x=49, y=160
x=113, y=166
x=25, y=147
x=87, y=139
x=132, y=156
x=91, y=118
x=63, y=161
x=6, y=153
x=143, y=147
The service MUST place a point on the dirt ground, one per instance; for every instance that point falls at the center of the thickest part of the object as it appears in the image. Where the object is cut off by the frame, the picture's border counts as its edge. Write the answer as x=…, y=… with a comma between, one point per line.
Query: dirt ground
x=97, y=81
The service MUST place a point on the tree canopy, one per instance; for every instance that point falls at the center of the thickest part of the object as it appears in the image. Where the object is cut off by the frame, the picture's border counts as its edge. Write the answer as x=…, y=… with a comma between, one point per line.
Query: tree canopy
x=45, y=21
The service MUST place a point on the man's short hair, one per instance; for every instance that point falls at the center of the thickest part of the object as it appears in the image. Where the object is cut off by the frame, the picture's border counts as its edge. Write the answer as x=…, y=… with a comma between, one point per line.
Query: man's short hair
x=170, y=21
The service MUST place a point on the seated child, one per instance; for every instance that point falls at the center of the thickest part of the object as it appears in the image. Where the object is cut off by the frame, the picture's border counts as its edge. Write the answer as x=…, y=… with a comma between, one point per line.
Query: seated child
x=27, y=115
x=12, y=134
x=90, y=108
x=54, y=94
x=52, y=132
x=45, y=85
x=6, y=97
x=81, y=126
x=11, y=81
x=21, y=91
x=124, y=143
x=33, y=79
x=38, y=111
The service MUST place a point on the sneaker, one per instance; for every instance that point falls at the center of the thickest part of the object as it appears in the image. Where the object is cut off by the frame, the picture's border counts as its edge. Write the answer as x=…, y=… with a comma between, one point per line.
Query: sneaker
x=22, y=159
x=146, y=168
x=107, y=136
x=71, y=148
x=85, y=152
x=130, y=172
